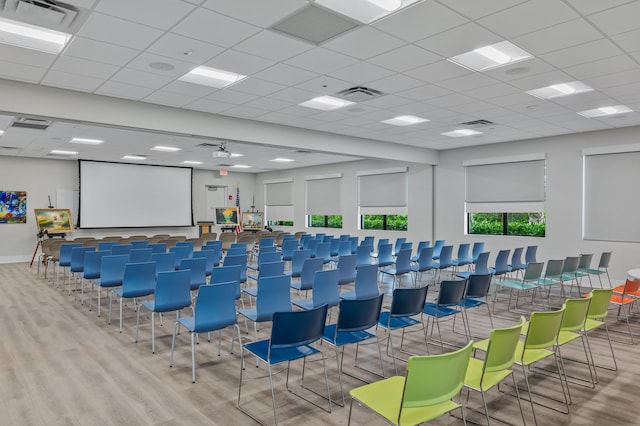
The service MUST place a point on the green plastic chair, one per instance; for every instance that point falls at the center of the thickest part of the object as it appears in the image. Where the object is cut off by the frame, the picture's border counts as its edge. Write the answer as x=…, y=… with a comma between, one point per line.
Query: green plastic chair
x=572, y=328
x=483, y=375
x=424, y=394
x=598, y=310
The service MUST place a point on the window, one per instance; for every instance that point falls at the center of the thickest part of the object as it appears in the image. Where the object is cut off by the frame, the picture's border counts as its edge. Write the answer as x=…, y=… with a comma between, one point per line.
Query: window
x=505, y=196
x=385, y=222
x=522, y=224
x=280, y=223
x=382, y=199
x=324, y=221
x=278, y=195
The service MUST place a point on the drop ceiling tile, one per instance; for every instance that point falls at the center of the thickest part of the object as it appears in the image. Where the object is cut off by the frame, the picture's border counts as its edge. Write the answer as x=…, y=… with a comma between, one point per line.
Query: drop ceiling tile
x=72, y=81
x=619, y=19
x=388, y=101
x=615, y=79
x=558, y=37
x=143, y=63
x=528, y=17
x=405, y=58
x=475, y=9
x=458, y=40
x=587, y=52
x=117, y=31
x=207, y=105
x=211, y=27
x=364, y=42
x=184, y=49
x=271, y=45
x=169, y=98
x=361, y=72
x=140, y=78
x=425, y=92
x=520, y=70
x=628, y=41
x=541, y=80
x=238, y=62
x=420, y=20
x=467, y=82
x=324, y=85
x=509, y=101
x=255, y=86
x=98, y=51
x=617, y=92
x=601, y=67
x=188, y=89
x=230, y=96
x=276, y=117
x=285, y=74
x=450, y=100
x=267, y=104
x=472, y=107
x=22, y=56
x=87, y=4
x=244, y=112
x=21, y=72
x=298, y=111
x=395, y=83
x=162, y=14
x=121, y=90
x=293, y=95
x=84, y=67
x=321, y=60
x=257, y=12
x=492, y=91
x=438, y=71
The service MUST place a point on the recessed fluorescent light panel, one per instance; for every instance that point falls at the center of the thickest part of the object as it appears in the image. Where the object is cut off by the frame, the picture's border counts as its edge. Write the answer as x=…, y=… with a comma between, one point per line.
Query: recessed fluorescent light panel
x=165, y=148
x=1, y=132
x=604, y=111
x=211, y=77
x=326, y=103
x=461, y=133
x=192, y=163
x=86, y=141
x=236, y=155
x=405, y=120
x=365, y=11
x=60, y=152
x=241, y=166
x=493, y=56
x=562, y=89
x=282, y=160
x=32, y=37
x=134, y=157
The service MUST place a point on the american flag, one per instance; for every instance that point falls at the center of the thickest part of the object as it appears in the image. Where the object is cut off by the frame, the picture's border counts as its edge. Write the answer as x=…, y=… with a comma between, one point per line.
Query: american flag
x=237, y=228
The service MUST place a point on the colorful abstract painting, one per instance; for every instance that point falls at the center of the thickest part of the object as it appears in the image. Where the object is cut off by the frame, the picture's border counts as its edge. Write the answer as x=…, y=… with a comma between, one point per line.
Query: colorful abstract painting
x=13, y=207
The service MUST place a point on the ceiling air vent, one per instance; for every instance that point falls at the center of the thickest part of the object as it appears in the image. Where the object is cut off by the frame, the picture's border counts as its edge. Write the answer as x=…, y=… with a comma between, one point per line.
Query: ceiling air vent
x=359, y=94
x=9, y=148
x=314, y=24
x=45, y=13
x=31, y=123
x=302, y=151
x=478, y=123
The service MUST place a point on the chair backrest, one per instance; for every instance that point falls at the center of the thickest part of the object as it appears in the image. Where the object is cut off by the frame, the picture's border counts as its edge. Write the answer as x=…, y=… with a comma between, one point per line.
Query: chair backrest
x=554, y=268
x=112, y=270
x=408, y=302
x=530, y=254
x=293, y=329
x=446, y=256
x=599, y=307
x=198, y=267
x=158, y=247
x=630, y=288
x=266, y=242
x=502, y=348
x=585, y=261
x=334, y=244
x=210, y=257
x=289, y=246
x=309, y=269
x=347, y=268
x=502, y=262
x=354, y=244
x=533, y=272
x=381, y=242
x=237, y=251
x=421, y=245
x=304, y=241
x=363, y=254
x=403, y=262
x=478, y=285
x=605, y=258
x=209, y=236
x=516, y=259
x=65, y=253
x=478, y=247
x=398, y=244
x=105, y=245
x=359, y=314
x=93, y=262
x=312, y=246
x=297, y=261
x=575, y=313
x=139, y=279
x=425, y=259
x=406, y=246
x=324, y=251
x=121, y=249
x=273, y=296
x=165, y=262
x=385, y=253
x=271, y=269
x=366, y=284
x=543, y=329
x=227, y=274
x=172, y=291
x=570, y=265
x=214, y=243
x=437, y=247
x=344, y=248
x=268, y=257
x=325, y=289
x=451, y=292
x=77, y=258
x=463, y=253
x=434, y=379
x=137, y=255
x=482, y=263
x=215, y=307
x=139, y=244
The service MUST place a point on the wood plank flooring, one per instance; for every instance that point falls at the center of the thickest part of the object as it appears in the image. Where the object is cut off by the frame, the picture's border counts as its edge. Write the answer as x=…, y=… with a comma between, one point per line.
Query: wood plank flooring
x=60, y=364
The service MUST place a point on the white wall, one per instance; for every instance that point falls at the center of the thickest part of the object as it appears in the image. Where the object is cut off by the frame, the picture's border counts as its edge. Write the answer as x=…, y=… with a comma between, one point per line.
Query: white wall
x=420, y=197
x=42, y=178
x=563, y=198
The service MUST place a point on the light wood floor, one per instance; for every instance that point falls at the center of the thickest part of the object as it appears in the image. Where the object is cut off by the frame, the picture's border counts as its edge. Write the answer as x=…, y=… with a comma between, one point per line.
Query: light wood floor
x=60, y=364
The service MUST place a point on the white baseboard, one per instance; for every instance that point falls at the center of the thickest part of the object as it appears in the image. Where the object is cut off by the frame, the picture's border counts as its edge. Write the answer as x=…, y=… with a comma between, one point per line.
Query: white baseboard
x=15, y=259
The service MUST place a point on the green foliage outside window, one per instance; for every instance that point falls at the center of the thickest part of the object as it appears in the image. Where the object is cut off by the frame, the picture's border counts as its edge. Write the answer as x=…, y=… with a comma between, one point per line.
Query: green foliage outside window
x=390, y=222
x=520, y=224
x=325, y=221
x=280, y=223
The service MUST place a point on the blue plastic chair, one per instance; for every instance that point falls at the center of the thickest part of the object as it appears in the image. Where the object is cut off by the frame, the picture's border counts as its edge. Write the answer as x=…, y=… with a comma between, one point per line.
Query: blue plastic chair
x=236, y=251
x=325, y=291
x=445, y=260
x=121, y=249
x=214, y=243
x=406, y=304
x=273, y=296
x=106, y=245
x=366, y=284
x=334, y=244
x=77, y=264
x=64, y=261
x=268, y=269
x=347, y=269
x=368, y=241
x=481, y=266
x=198, y=267
x=297, y=262
x=210, y=258
x=437, y=248
x=354, y=319
x=447, y=304
x=476, y=294
x=172, y=293
x=309, y=269
x=215, y=309
x=363, y=254
x=292, y=336
x=139, y=244
x=421, y=245
x=111, y=275
x=354, y=244
x=182, y=252
x=478, y=247
x=137, y=255
x=265, y=257
x=463, y=257
x=502, y=263
x=241, y=261
x=158, y=247
x=139, y=280
x=289, y=247
x=323, y=252
x=381, y=242
x=217, y=253
x=188, y=244
x=425, y=263
x=226, y=274
x=91, y=268
x=385, y=255
x=402, y=267
x=398, y=245
x=530, y=255
x=165, y=262
x=516, y=260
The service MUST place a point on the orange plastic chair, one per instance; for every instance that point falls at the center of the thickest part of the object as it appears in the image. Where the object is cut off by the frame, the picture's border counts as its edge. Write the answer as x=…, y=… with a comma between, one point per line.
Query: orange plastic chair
x=628, y=296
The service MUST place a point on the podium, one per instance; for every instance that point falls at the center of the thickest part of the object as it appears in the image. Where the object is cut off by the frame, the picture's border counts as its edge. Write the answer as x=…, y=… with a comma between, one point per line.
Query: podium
x=204, y=227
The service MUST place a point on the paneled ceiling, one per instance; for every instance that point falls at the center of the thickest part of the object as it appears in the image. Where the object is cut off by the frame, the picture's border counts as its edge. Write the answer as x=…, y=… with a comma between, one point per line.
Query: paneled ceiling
x=138, y=49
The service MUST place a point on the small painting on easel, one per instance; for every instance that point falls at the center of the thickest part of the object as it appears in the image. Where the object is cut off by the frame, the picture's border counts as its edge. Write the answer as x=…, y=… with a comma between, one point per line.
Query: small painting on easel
x=54, y=221
x=13, y=207
x=252, y=221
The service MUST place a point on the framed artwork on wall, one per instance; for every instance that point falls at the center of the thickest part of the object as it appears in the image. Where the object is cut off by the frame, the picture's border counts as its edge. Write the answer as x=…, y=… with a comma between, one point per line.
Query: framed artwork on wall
x=13, y=207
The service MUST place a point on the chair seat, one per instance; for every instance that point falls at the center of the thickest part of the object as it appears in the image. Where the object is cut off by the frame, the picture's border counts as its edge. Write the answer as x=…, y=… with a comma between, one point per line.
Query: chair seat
x=518, y=285
x=416, y=268
x=151, y=305
x=434, y=310
x=136, y=293
x=567, y=336
x=470, y=302
x=305, y=304
x=385, y=395
x=548, y=281
x=396, y=322
x=261, y=350
x=464, y=275
x=344, y=337
x=390, y=271
x=252, y=276
x=351, y=295
x=474, y=376
x=189, y=324
x=591, y=324
x=622, y=299
x=251, y=291
x=107, y=284
x=291, y=274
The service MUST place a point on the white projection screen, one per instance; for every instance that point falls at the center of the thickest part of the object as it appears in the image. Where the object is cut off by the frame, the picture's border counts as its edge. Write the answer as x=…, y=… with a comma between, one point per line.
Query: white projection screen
x=118, y=195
